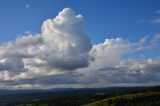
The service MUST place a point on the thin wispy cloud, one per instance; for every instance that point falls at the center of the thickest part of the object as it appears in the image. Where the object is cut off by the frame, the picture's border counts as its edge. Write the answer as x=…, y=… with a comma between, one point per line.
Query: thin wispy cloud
x=27, y=6
x=157, y=12
x=140, y=21
x=155, y=21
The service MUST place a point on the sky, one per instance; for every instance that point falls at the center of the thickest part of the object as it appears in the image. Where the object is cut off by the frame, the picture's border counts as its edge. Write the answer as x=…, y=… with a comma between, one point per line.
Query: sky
x=47, y=44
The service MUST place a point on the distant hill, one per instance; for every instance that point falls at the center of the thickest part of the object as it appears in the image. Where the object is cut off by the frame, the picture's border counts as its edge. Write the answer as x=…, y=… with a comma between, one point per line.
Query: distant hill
x=67, y=97
x=56, y=91
x=137, y=99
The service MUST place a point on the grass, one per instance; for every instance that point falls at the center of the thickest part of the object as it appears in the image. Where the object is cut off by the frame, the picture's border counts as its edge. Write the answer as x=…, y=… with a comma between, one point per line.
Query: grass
x=138, y=99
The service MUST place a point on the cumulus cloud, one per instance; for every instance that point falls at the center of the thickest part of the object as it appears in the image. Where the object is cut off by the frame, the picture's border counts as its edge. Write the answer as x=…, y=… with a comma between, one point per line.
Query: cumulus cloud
x=110, y=68
x=62, y=56
x=110, y=52
x=62, y=46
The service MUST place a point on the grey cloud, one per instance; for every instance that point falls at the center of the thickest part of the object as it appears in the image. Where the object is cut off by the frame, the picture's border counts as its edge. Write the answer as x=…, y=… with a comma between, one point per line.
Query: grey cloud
x=126, y=72
x=12, y=64
x=63, y=56
x=131, y=73
x=62, y=45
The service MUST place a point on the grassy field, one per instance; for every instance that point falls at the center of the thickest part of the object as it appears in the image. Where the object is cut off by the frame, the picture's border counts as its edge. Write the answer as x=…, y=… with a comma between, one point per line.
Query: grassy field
x=138, y=99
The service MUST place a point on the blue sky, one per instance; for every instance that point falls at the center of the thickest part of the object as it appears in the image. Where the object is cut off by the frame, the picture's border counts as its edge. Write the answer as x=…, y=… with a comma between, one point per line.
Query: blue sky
x=103, y=19
x=79, y=43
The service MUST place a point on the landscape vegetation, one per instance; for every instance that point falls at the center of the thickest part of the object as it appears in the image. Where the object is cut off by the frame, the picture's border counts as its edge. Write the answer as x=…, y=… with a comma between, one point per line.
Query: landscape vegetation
x=114, y=96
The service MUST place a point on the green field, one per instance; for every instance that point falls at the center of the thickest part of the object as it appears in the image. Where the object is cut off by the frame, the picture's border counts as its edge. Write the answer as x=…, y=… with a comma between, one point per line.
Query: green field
x=138, y=99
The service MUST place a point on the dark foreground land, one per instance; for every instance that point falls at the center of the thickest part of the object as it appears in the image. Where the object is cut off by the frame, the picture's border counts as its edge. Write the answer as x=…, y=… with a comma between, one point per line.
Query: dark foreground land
x=115, y=96
x=137, y=99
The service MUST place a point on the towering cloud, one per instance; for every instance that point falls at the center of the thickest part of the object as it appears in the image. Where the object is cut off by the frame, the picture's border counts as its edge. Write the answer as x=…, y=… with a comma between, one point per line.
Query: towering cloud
x=65, y=43
x=63, y=56
x=61, y=46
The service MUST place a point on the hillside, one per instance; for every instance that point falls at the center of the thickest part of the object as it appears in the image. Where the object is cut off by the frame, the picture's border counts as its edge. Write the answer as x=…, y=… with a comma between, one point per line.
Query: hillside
x=137, y=99
x=78, y=97
x=63, y=97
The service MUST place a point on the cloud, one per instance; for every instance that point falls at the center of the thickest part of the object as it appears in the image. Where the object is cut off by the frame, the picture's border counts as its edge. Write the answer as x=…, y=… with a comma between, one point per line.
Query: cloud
x=62, y=56
x=156, y=38
x=110, y=68
x=111, y=51
x=144, y=40
x=62, y=46
x=125, y=73
x=140, y=21
x=67, y=40
x=157, y=12
x=155, y=21
x=27, y=6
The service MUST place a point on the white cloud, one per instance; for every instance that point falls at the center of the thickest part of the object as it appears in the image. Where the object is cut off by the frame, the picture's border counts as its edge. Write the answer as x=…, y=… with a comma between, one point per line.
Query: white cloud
x=63, y=56
x=62, y=46
x=110, y=52
x=64, y=36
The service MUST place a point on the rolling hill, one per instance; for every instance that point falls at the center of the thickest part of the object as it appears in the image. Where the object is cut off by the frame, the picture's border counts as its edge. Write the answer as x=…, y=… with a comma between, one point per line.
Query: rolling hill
x=114, y=96
x=137, y=99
